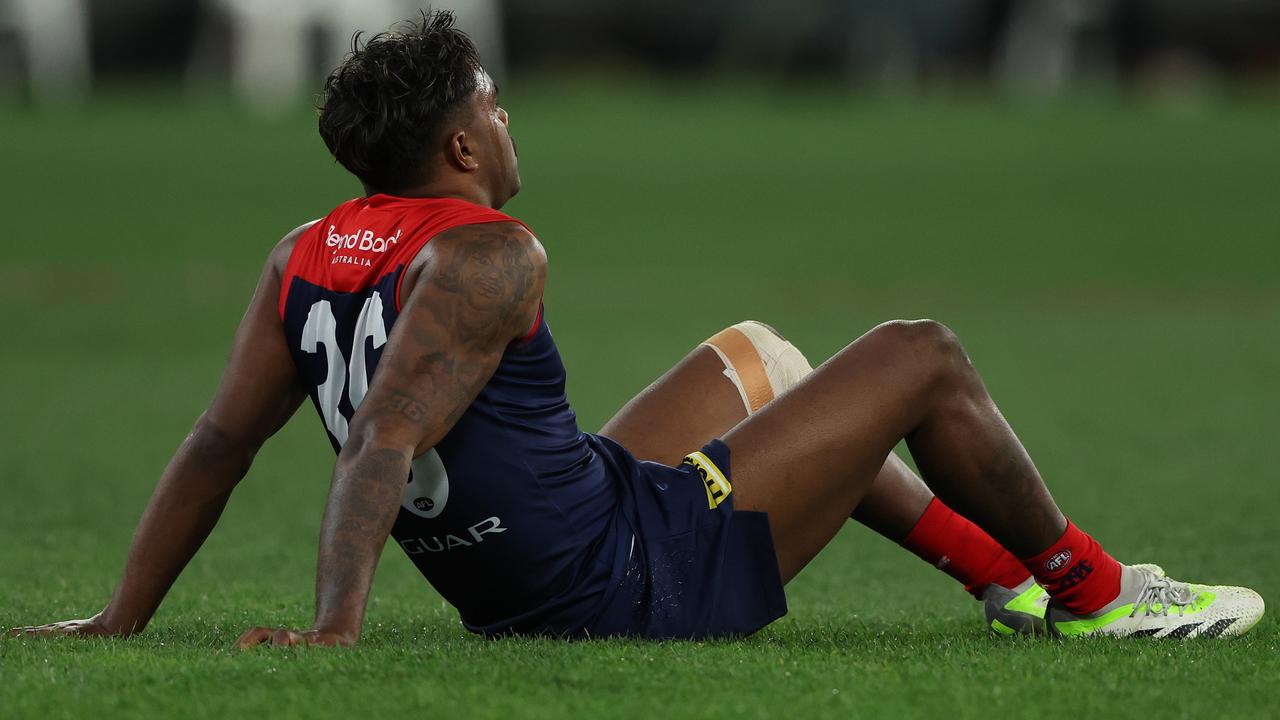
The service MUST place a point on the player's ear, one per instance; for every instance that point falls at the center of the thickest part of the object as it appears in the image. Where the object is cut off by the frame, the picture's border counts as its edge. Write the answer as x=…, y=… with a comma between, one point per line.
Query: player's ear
x=459, y=153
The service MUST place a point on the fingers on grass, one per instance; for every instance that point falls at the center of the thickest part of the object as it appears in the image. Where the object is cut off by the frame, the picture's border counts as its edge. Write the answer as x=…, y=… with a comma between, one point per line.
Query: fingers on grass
x=253, y=637
x=334, y=640
x=286, y=638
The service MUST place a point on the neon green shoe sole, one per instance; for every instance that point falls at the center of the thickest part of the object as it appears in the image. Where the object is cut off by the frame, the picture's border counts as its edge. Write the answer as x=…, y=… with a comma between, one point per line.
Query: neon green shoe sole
x=1016, y=611
x=1021, y=610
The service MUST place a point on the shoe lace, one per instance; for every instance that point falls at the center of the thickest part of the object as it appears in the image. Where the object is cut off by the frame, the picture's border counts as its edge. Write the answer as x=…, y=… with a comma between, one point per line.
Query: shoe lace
x=1163, y=593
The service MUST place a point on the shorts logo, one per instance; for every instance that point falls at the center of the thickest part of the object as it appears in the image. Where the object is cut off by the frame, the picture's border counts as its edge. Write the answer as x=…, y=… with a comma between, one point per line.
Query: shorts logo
x=428, y=488
x=717, y=485
x=1058, y=561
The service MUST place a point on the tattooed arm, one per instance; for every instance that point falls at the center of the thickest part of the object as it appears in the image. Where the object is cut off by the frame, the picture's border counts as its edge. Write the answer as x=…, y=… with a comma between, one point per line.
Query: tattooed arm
x=477, y=290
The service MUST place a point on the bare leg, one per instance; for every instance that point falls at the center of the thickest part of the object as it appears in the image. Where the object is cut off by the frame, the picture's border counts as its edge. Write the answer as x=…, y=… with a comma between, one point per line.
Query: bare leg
x=807, y=456
x=689, y=405
x=896, y=500
x=694, y=402
x=811, y=456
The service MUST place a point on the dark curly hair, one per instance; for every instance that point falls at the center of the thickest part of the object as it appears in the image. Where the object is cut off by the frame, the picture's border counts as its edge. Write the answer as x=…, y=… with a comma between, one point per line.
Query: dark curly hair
x=391, y=96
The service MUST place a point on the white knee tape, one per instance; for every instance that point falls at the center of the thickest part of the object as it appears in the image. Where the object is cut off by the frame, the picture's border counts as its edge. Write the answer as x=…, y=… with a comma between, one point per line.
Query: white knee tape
x=758, y=362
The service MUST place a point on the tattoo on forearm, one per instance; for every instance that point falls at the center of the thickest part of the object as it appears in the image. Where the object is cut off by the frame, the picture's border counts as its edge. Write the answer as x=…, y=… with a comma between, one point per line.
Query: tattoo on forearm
x=479, y=296
x=407, y=406
x=362, y=508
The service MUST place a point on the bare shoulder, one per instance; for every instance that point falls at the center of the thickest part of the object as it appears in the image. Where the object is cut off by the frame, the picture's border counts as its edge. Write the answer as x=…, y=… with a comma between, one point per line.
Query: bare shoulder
x=489, y=253
x=486, y=278
x=279, y=257
x=507, y=244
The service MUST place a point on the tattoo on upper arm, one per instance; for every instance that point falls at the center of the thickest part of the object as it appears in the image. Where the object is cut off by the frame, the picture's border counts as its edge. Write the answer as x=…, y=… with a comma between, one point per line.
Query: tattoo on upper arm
x=433, y=362
x=358, y=512
x=489, y=278
x=492, y=275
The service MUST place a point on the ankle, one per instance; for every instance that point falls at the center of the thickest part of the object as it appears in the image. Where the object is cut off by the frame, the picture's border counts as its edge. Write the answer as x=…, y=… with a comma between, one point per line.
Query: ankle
x=957, y=547
x=1077, y=572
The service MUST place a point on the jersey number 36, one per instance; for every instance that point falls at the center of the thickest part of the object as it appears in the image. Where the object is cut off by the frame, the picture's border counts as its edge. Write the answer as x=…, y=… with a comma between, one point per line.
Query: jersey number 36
x=427, y=490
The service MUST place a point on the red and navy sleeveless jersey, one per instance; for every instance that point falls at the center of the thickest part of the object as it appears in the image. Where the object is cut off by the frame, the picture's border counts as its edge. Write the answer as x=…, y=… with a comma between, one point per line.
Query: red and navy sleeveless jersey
x=507, y=514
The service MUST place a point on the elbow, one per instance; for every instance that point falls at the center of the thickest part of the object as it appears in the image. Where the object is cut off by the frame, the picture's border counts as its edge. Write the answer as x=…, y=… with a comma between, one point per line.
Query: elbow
x=376, y=460
x=366, y=437
x=216, y=447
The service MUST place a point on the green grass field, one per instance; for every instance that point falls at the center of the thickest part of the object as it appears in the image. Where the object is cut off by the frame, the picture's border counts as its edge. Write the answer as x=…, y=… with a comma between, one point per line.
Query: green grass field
x=1112, y=269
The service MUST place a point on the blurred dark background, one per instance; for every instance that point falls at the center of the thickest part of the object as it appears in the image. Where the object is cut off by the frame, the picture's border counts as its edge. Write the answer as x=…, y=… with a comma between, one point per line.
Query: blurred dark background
x=270, y=54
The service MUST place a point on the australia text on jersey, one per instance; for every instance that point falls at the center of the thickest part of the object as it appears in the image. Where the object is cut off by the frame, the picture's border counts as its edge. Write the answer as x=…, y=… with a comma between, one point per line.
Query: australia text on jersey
x=360, y=240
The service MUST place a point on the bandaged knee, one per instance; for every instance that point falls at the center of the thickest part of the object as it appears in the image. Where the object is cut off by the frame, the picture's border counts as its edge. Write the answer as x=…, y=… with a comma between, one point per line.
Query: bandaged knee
x=760, y=363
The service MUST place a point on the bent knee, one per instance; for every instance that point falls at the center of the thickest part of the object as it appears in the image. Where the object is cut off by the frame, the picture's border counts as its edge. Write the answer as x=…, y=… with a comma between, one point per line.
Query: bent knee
x=927, y=341
x=763, y=326
x=760, y=362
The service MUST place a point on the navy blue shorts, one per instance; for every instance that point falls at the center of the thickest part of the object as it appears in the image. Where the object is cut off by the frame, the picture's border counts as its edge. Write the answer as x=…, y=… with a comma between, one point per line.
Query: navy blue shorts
x=692, y=566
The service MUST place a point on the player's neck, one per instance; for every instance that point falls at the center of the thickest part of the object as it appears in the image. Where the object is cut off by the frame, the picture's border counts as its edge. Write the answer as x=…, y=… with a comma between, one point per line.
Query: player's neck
x=442, y=189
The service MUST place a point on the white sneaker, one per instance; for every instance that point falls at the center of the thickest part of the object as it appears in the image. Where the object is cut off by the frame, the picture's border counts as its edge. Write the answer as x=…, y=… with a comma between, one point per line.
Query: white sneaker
x=1150, y=605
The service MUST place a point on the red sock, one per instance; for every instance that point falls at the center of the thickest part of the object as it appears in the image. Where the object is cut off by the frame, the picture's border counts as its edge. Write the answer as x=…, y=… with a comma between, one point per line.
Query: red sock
x=962, y=550
x=1077, y=572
